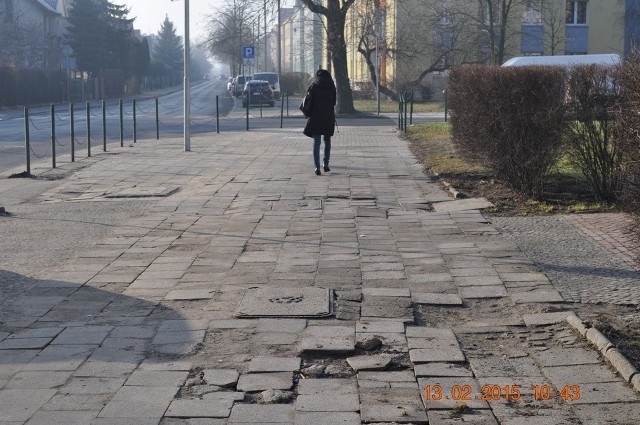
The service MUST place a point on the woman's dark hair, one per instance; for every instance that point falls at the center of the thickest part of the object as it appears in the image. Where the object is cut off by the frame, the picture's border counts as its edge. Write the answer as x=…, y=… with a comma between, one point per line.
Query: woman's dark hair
x=321, y=72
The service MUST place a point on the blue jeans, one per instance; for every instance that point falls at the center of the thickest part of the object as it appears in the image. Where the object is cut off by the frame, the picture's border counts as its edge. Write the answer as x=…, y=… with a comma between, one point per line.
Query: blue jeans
x=316, y=150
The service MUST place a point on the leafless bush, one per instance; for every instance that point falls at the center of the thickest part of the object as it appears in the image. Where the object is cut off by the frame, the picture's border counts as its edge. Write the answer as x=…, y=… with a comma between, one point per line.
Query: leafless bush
x=593, y=139
x=629, y=128
x=511, y=118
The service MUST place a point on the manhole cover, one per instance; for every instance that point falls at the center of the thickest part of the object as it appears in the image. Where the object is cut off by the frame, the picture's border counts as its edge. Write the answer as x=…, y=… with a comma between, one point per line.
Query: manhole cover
x=286, y=302
x=144, y=192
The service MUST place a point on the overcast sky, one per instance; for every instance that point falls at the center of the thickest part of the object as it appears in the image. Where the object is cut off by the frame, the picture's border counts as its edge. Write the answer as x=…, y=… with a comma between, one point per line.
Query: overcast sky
x=150, y=14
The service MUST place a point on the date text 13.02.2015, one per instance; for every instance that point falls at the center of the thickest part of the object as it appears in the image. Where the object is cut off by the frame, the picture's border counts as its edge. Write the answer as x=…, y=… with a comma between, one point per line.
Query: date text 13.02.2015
x=497, y=392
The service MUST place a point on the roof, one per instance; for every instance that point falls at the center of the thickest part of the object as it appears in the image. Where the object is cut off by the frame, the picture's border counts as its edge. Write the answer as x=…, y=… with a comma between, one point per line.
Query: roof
x=49, y=5
x=567, y=60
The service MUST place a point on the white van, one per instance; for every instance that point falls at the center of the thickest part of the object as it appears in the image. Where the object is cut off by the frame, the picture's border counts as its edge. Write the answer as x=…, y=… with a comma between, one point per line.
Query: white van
x=610, y=59
x=272, y=78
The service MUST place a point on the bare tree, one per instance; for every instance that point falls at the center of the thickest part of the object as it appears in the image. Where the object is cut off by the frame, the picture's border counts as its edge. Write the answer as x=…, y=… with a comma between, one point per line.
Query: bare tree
x=335, y=12
x=230, y=28
x=553, y=19
x=24, y=43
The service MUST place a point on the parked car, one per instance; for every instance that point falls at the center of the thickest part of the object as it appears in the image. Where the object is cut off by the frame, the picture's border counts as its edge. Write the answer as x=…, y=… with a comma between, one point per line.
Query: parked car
x=257, y=92
x=238, y=85
x=272, y=78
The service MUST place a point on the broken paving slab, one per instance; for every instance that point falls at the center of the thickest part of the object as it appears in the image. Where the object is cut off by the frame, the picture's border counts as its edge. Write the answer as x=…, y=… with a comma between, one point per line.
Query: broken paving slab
x=328, y=402
x=221, y=377
x=482, y=292
x=144, y=192
x=426, y=370
x=189, y=294
x=462, y=205
x=537, y=296
x=377, y=362
x=543, y=319
x=183, y=408
x=274, y=364
x=286, y=302
x=328, y=339
x=255, y=382
x=449, y=397
x=379, y=326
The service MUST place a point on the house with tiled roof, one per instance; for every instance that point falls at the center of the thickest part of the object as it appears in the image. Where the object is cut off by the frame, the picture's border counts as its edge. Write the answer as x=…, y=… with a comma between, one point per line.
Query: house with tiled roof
x=32, y=32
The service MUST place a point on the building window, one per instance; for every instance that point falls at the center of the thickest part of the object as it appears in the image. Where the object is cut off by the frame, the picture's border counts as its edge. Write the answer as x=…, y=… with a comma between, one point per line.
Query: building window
x=577, y=12
x=532, y=12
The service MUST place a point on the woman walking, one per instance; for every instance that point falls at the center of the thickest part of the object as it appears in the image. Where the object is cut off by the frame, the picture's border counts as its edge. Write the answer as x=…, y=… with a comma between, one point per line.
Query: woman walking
x=322, y=118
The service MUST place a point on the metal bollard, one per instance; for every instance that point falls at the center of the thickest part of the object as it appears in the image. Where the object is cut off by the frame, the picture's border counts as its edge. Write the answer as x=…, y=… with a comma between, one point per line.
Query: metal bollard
x=53, y=136
x=72, y=131
x=27, y=146
x=260, y=106
x=88, y=129
x=157, y=121
x=135, y=123
x=281, y=111
x=248, y=98
x=217, y=116
x=287, y=93
x=411, y=111
x=104, y=126
x=121, y=123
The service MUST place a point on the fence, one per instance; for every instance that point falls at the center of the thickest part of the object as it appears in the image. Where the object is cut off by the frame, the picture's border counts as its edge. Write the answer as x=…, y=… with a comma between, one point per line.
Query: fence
x=63, y=125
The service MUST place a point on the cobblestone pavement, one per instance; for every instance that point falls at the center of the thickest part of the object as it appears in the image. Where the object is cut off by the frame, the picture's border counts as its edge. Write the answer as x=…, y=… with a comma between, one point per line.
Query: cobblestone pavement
x=211, y=305
x=582, y=268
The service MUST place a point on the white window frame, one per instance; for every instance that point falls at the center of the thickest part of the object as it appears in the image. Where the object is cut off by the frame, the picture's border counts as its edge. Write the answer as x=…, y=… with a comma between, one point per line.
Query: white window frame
x=576, y=7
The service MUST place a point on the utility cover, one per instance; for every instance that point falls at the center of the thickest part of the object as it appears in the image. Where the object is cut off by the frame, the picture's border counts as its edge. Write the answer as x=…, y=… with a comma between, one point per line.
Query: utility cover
x=286, y=302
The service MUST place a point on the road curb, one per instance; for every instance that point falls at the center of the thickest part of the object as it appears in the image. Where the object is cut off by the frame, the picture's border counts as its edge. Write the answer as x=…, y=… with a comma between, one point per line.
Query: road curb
x=619, y=362
x=455, y=192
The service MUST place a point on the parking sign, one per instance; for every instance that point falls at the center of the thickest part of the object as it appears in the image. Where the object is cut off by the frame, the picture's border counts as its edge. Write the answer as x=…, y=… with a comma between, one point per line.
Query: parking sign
x=248, y=52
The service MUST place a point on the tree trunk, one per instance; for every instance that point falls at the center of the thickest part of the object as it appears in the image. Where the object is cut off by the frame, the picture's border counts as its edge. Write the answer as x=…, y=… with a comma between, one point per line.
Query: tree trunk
x=338, y=49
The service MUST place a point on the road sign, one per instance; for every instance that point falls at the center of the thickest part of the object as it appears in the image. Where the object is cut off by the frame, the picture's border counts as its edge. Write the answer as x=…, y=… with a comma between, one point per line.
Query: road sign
x=248, y=52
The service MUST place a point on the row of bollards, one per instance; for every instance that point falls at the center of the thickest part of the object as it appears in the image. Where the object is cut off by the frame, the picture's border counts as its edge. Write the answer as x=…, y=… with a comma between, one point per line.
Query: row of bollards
x=405, y=109
x=72, y=129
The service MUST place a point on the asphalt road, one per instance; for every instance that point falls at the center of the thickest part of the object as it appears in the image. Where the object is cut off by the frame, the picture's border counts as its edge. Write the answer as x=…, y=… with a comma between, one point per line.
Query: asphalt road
x=170, y=106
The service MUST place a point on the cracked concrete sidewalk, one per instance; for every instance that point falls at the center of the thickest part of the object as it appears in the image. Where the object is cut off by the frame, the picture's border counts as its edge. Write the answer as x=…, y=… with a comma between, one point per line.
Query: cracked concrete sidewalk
x=120, y=306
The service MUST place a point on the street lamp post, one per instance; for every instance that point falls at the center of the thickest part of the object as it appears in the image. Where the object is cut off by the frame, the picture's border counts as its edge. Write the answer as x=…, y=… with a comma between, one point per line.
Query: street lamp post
x=187, y=81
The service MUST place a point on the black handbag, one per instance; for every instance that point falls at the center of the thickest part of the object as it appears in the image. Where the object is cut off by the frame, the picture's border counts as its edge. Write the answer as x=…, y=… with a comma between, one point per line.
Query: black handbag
x=305, y=105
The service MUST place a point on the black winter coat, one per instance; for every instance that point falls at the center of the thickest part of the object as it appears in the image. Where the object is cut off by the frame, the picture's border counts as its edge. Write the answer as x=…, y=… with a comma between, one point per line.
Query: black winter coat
x=322, y=119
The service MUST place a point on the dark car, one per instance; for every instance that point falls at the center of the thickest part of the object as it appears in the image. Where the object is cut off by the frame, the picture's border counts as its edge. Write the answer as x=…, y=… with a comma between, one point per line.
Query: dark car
x=257, y=92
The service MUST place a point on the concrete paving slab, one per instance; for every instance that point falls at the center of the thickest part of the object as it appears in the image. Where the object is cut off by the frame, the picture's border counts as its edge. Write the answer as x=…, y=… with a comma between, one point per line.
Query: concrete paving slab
x=567, y=357
x=426, y=355
x=139, y=402
x=379, y=326
x=328, y=403
x=148, y=378
x=462, y=205
x=548, y=295
x=397, y=413
x=482, y=292
x=435, y=298
x=274, y=364
x=261, y=414
x=427, y=370
x=18, y=405
x=477, y=417
x=93, y=386
x=184, y=408
x=580, y=374
x=189, y=294
x=504, y=366
x=543, y=319
x=221, y=377
x=62, y=418
x=333, y=418
x=38, y=380
x=608, y=414
x=386, y=292
x=24, y=343
x=327, y=386
x=77, y=402
x=281, y=325
x=378, y=362
x=255, y=382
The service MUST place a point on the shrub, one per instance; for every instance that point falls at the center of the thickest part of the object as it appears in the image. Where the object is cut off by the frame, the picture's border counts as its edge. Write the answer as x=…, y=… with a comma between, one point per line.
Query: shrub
x=629, y=130
x=294, y=82
x=511, y=119
x=593, y=142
